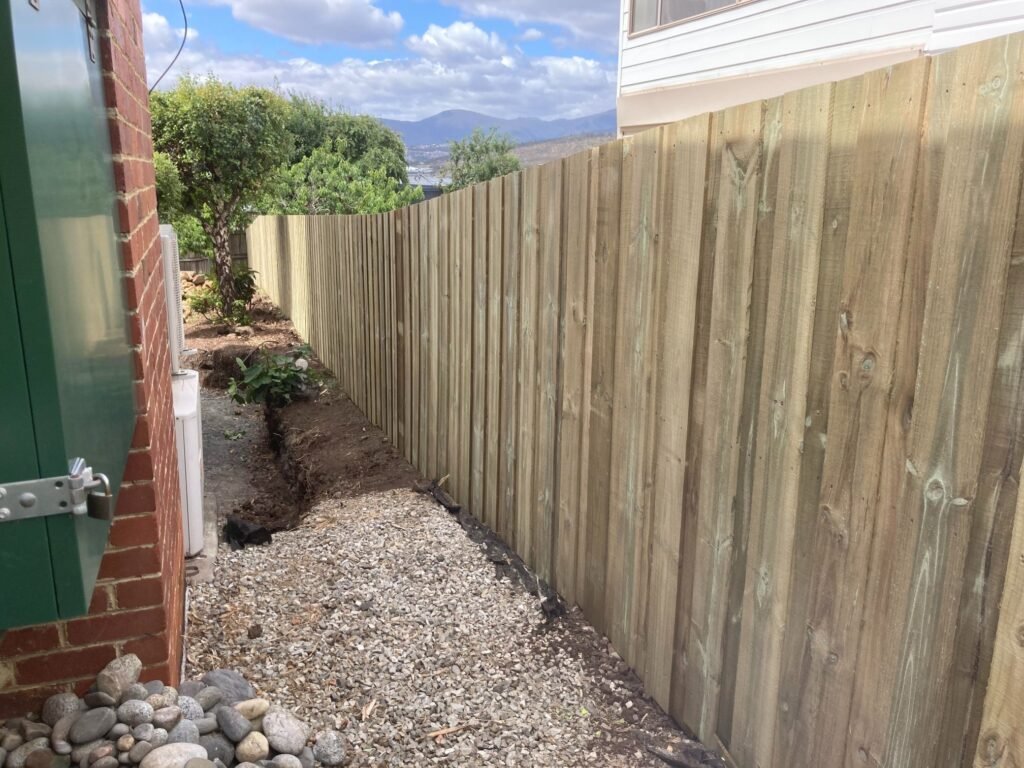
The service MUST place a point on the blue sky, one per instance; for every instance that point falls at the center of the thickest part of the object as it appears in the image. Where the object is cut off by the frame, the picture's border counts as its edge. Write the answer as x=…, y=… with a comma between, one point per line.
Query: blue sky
x=401, y=58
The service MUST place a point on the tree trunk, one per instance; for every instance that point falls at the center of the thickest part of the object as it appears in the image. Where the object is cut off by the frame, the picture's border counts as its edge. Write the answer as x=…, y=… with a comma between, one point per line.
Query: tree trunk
x=221, y=238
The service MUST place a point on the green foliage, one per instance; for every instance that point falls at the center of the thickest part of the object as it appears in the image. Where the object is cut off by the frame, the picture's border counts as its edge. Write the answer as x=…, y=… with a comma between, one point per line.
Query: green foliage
x=226, y=144
x=326, y=183
x=192, y=238
x=274, y=378
x=359, y=139
x=481, y=157
x=169, y=190
x=208, y=299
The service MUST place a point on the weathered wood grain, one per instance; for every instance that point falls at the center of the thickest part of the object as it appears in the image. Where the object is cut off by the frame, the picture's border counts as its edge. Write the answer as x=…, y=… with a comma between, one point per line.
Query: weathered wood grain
x=548, y=302
x=510, y=260
x=803, y=163
x=683, y=154
x=478, y=401
x=492, y=426
x=738, y=187
x=529, y=267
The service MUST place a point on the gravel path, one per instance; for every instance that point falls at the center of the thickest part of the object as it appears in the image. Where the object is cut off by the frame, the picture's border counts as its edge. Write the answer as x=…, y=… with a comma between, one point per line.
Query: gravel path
x=380, y=617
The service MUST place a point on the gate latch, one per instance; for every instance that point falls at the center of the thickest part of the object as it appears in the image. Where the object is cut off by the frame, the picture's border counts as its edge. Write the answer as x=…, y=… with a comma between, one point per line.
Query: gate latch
x=80, y=492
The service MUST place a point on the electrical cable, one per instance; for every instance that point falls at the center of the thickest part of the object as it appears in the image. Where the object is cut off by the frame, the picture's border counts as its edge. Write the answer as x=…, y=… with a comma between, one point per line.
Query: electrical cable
x=181, y=47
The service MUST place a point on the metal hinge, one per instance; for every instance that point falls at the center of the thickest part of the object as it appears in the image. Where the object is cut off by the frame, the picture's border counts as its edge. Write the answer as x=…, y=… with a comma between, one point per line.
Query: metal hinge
x=80, y=492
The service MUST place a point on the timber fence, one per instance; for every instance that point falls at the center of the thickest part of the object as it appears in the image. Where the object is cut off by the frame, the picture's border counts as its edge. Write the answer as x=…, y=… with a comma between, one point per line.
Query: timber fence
x=748, y=388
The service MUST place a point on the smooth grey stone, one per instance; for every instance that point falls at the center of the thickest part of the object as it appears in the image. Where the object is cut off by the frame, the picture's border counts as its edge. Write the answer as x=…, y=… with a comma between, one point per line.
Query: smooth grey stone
x=284, y=731
x=172, y=756
x=17, y=758
x=167, y=717
x=233, y=686
x=119, y=730
x=33, y=730
x=80, y=753
x=286, y=761
x=190, y=708
x=12, y=741
x=59, y=705
x=184, y=732
x=247, y=765
x=218, y=747
x=45, y=758
x=209, y=697
x=306, y=757
x=135, y=692
x=110, y=761
x=206, y=725
x=91, y=725
x=3, y=755
x=103, y=750
x=143, y=731
x=329, y=748
x=154, y=686
x=159, y=737
x=200, y=762
x=59, y=735
x=190, y=687
x=124, y=758
x=119, y=674
x=252, y=748
x=219, y=764
x=135, y=712
x=253, y=708
x=170, y=693
x=139, y=751
x=235, y=726
x=100, y=699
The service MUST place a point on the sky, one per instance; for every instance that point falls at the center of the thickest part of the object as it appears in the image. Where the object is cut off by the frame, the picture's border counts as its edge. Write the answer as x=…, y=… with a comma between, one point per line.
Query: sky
x=404, y=59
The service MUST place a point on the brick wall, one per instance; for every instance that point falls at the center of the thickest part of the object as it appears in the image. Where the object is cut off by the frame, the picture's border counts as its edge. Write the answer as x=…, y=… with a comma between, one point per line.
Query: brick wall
x=138, y=603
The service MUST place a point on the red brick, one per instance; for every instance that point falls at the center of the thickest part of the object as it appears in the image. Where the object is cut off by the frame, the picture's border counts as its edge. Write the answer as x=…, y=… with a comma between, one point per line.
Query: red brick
x=100, y=600
x=165, y=672
x=19, y=642
x=128, y=563
x=136, y=499
x=140, y=438
x=140, y=593
x=139, y=467
x=151, y=650
x=116, y=626
x=64, y=665
x=136, y=531
x=21, y=703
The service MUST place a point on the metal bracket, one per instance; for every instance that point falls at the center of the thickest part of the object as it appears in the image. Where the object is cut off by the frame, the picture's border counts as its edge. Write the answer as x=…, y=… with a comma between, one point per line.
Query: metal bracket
x=80, y=492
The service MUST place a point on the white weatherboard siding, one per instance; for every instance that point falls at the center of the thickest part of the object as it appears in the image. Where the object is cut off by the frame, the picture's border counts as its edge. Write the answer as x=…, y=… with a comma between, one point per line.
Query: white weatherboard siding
x=767, y=47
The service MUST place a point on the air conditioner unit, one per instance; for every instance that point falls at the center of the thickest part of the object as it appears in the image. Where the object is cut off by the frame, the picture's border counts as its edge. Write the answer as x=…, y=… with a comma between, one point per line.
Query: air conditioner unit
x=188, y=423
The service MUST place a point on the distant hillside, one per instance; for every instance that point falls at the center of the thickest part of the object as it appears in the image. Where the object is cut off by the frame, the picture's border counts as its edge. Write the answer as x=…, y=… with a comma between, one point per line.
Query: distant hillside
x=457, y=124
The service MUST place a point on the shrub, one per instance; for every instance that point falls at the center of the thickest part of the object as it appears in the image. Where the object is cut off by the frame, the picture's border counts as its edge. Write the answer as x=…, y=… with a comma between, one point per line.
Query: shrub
x=207, y=299
x=274, y=378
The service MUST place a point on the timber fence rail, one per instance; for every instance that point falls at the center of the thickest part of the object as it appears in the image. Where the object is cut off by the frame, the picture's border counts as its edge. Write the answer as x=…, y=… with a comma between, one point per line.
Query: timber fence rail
x=749, y=389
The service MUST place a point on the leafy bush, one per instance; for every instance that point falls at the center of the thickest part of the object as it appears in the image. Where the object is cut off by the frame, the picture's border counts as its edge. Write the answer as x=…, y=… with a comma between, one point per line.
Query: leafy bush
x=274, y=378
x=207, y=300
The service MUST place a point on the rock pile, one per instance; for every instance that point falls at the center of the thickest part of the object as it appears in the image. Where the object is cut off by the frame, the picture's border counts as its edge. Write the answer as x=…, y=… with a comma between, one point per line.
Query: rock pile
x=216, y=722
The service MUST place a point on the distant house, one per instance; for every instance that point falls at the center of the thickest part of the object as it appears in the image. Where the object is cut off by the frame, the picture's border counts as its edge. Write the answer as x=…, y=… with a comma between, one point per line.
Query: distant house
x=683, y=57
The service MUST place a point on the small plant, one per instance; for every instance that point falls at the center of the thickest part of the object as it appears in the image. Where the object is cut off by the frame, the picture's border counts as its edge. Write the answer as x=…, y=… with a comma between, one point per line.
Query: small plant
x=207, y=301
x=274, y=378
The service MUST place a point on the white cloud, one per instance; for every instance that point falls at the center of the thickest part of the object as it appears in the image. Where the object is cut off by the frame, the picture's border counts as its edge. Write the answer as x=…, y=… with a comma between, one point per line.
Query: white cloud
x=158, y=32
x=531, y=35
x=593, y=21
x=462, y=41
x=488, y=78
x=353, y=22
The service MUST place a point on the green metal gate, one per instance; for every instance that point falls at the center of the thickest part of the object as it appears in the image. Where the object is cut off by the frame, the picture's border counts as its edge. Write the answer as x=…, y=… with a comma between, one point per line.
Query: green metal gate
x=66, y=388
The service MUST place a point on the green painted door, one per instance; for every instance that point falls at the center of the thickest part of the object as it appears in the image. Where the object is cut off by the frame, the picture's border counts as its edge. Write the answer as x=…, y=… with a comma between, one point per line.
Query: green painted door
x=66, y=391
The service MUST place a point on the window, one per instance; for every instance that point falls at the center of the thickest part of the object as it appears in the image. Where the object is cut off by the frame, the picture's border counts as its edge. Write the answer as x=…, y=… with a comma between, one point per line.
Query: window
x=648, y=14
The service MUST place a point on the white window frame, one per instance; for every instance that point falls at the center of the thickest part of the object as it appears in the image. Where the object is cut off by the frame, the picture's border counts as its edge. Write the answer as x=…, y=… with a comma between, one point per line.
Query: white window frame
x=659, y=26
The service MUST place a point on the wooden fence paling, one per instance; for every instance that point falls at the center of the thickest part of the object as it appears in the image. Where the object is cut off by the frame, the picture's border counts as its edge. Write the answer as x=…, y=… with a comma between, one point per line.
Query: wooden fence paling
x=749, y=389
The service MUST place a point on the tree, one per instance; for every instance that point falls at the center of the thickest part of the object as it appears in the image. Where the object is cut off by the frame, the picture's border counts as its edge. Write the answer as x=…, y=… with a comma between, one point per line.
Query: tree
x=326, y=183
x=226, y=144
x=481, y=157
x=360, y=139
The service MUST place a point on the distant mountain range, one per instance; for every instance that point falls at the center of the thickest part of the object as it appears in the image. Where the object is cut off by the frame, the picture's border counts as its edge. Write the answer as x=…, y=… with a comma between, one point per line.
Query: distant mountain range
x=457, y=124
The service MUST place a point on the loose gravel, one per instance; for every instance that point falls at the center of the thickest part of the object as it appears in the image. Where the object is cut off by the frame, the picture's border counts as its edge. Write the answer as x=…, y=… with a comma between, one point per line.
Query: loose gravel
x=379, y=617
